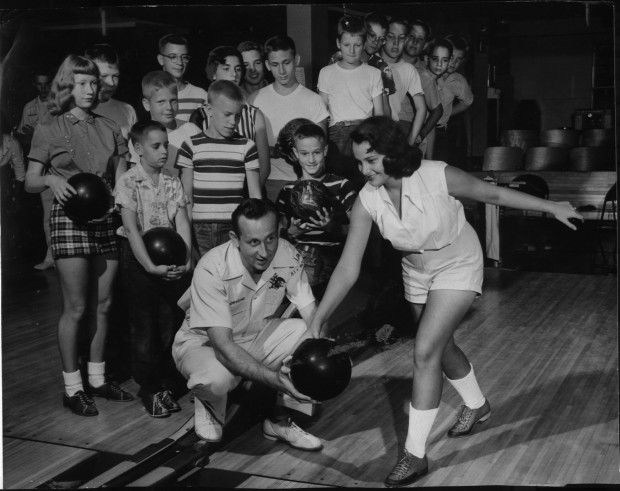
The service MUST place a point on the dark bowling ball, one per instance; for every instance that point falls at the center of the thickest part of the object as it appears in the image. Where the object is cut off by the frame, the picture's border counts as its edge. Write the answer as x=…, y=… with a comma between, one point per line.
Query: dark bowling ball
x=92, y=200
x=309, y=196
x=165, y=246
x=318, y=370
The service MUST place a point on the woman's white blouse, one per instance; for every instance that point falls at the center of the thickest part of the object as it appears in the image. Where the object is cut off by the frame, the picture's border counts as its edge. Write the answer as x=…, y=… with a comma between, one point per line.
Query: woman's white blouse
x=431, y=218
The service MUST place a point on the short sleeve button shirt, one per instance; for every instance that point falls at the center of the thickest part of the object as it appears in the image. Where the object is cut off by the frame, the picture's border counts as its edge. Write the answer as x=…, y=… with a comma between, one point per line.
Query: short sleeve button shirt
x=67, y=145
x=431, y=218
x=223, y=294
x=156, y=205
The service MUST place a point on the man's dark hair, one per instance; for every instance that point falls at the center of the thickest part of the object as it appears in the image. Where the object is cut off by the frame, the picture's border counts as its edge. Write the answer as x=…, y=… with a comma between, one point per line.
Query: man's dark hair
x=252, y=209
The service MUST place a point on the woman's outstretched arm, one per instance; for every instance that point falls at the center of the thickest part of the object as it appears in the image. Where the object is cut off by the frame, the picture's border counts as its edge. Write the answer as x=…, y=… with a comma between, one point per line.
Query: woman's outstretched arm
x=463, y=185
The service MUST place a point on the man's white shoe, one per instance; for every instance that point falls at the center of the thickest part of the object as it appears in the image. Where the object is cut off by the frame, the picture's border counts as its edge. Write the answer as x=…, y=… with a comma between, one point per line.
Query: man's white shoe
x=206, y=426
x=289, y=432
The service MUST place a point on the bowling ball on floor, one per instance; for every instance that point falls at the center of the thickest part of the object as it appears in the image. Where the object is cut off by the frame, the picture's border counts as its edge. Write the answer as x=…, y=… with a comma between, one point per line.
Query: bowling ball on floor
x=92, y=200
x=309, y=196
x=165, y=246
x=319, y=369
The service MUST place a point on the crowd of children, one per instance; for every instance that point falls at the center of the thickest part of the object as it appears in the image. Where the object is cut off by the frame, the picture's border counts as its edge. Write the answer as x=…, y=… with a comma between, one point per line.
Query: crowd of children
x=201, y=151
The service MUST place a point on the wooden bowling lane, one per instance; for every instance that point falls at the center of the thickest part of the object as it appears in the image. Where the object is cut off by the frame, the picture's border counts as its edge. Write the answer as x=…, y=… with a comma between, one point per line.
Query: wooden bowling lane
x=544, y=347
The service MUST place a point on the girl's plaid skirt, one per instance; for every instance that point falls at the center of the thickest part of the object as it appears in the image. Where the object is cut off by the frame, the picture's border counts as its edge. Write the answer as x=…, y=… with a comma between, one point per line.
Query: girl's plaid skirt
x=69, y=238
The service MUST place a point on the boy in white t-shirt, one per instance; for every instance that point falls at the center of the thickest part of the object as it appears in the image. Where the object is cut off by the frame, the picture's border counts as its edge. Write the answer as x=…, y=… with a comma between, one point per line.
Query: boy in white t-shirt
x=174, y=58
x=281, y=101
x=351, y=89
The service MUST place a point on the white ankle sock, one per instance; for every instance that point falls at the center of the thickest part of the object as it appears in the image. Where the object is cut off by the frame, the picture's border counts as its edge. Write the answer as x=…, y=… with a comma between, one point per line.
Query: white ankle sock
x=469, y=390
x=96, y=374
x=420, y=424
x=73, y=382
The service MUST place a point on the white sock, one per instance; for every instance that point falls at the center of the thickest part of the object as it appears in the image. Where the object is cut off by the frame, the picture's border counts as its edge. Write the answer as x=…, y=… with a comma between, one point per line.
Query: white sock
x=73, y=382
x=420, y=424
x=96, y=374
x=469, y=390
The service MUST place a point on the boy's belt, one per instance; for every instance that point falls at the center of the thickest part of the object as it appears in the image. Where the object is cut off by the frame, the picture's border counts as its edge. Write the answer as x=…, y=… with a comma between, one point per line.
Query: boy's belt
x=353, y=122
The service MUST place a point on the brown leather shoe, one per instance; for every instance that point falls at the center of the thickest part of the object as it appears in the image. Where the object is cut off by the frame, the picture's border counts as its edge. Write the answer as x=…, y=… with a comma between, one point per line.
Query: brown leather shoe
x=468, y=418
x=80, y=403
x=408, y=469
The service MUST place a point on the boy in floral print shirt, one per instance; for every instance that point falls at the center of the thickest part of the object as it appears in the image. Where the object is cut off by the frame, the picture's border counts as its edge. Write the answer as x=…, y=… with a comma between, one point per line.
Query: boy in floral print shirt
x=148, y=198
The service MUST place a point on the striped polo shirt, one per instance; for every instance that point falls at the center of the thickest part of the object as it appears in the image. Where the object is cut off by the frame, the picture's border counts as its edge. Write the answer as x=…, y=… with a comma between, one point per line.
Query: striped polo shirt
x=220, y=167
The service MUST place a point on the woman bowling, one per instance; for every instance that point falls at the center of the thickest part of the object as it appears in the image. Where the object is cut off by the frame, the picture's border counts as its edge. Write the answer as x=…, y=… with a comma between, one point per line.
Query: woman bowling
x=86, y=255
x=415, y=205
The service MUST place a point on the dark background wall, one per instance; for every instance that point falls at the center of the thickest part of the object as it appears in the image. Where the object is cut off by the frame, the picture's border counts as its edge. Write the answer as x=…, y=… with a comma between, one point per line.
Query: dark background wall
x=533, y=51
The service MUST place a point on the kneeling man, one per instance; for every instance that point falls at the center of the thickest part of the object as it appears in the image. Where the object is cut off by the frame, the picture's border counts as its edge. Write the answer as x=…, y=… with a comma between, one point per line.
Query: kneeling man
x=229, y=332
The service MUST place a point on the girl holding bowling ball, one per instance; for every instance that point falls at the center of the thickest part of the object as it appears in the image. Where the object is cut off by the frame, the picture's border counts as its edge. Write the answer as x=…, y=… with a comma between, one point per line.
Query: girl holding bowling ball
x=76, y=140
x=415, y=204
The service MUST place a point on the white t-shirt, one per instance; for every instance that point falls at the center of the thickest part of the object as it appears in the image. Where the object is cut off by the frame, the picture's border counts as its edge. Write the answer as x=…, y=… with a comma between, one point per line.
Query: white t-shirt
x=350, y=92
x=183, y=132
x=431, y=218
x=120, y=112
x=190, y=98
x=407, y=80
x=279, y=110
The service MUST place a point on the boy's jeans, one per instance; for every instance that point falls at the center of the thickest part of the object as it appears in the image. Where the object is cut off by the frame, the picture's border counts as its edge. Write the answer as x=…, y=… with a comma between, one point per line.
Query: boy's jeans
x=211, y=234
x=154, y=318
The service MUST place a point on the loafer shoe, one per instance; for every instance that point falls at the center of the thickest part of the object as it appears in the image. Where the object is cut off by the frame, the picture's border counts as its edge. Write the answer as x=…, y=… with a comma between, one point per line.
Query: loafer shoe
x=468, y=418
x=169, y=402
x=206, y=426
x=80, y=403
x=111, y=391
x=154, y=405
x=289, y=432
x=408, y=469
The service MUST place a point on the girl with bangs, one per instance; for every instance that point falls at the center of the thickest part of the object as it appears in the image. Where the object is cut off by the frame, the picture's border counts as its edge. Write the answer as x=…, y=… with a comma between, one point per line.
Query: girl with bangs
x=77, y=140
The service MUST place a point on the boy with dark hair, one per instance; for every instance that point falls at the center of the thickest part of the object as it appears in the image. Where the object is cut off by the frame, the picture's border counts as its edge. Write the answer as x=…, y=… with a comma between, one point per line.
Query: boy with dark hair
x=455, y=147
x=410, y=115
x=106, y=59
x=147, y=198
x=174, y=58
x=254, y=63
x=416, y=43
x=35, y=112
x=320, y=239
x=281, y=101
x=216, y=164
x=439, y=55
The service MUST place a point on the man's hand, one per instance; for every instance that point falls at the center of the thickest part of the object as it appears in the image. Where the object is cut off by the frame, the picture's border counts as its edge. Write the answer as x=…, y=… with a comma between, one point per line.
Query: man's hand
x=286, y=385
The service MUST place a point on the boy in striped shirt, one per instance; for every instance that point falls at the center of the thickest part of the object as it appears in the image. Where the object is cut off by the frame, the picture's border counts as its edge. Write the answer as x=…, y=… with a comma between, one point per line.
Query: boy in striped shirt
x=319, y=240
x=217, y=165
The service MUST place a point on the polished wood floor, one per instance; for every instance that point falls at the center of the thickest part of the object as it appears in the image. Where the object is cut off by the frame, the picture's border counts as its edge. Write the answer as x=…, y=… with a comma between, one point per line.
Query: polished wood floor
x=545, y=350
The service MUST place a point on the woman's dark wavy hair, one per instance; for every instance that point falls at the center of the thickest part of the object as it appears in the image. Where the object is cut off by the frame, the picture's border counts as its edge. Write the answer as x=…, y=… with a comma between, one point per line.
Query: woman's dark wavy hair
x=218, y=56
x=386, y=138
